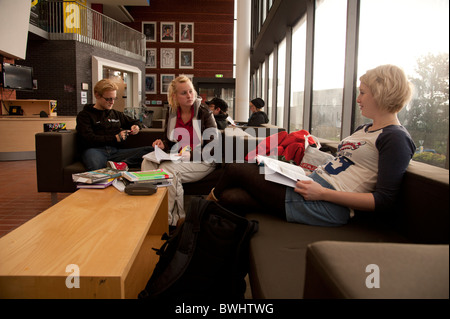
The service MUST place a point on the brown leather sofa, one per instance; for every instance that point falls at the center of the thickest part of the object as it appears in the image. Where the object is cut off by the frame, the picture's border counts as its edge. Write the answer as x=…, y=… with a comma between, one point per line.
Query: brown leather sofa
x=293, y=261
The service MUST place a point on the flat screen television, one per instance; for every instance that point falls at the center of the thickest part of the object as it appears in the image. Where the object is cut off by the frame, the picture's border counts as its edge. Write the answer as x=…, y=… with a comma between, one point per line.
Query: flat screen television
x=17, y=77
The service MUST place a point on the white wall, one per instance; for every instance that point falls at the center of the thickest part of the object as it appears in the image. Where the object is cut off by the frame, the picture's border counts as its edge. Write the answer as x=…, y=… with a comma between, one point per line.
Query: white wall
x=14, y=23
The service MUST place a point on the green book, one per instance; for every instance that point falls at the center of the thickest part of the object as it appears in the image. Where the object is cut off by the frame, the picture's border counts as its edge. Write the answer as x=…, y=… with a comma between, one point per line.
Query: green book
x=146, y=176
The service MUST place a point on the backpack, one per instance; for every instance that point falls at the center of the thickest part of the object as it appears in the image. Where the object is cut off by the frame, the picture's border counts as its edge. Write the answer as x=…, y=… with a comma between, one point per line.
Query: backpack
x=206, y=258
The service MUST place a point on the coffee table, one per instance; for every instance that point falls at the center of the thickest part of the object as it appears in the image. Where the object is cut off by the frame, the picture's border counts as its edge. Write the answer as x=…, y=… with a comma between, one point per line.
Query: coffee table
x=101, y=239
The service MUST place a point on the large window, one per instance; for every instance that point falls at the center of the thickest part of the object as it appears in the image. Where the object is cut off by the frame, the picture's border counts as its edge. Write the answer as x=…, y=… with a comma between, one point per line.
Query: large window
x=334, y=42
x=413, y=35
x=263, y=81
x=329, y=64
x=297, y=75
x=281, y=69
x=270, y=89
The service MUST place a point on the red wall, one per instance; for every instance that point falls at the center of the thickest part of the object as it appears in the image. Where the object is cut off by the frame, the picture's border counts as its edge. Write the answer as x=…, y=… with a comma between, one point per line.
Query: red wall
x=213, y=35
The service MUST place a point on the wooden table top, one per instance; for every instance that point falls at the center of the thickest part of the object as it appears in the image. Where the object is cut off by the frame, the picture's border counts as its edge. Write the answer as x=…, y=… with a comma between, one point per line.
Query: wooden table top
x=101, y=231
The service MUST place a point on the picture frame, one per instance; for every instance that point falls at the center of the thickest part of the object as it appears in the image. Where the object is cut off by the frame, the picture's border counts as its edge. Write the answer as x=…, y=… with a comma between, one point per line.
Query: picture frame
x=149, y=29
x=150, y=58
x=186, y=59
x=165, y=82
x=187, y=32
x=150, y=83
x=167, y=31
x=167, y=58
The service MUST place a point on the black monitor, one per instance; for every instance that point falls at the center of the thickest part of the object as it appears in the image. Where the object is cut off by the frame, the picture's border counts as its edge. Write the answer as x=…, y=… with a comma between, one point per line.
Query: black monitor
x=17, y=77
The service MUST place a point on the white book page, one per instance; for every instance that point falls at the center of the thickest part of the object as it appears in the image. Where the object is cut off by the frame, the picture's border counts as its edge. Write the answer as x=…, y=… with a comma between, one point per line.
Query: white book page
x=159, y=155
x=281, y=172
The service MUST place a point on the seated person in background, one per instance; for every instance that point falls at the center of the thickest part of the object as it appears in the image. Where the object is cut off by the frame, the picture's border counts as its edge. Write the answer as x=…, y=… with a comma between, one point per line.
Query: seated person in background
x=190, y=127
x=258, y=116
x=219, y=108
x=365, y=175
x=101, y=132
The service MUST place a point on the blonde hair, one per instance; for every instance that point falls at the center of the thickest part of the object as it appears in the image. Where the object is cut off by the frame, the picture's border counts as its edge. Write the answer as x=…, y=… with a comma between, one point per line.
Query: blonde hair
x=389, y=86
x=171, y=92
x=105, y=85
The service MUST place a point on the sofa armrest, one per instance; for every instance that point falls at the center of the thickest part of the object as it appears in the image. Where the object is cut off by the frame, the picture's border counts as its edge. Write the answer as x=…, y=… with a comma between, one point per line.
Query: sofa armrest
x=376, y=271
x=54, y=151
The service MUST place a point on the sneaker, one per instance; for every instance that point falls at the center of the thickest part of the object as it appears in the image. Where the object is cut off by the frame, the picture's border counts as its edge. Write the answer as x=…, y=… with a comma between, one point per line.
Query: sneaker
x=121, y=166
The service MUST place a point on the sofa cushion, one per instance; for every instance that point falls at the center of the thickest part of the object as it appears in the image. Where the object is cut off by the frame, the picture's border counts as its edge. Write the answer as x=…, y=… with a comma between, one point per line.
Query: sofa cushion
x=278, y=251
x=376, y=270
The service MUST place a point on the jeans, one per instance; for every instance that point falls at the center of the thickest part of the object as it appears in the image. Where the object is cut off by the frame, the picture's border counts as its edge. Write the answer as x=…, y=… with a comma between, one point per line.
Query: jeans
x=310, y=212
x=96, y=158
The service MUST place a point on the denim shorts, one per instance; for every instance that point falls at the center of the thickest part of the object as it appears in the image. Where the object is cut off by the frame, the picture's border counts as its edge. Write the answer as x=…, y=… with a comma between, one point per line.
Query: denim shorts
x=319, y=213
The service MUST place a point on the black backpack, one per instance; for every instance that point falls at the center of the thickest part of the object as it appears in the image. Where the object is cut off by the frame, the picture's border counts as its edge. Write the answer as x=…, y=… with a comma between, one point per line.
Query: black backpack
x=205, y=259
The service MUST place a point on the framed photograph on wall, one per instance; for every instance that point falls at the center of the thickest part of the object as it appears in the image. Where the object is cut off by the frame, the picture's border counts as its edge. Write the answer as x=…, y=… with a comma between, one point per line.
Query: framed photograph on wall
x=165, y=82
x=167, y=31
x=186, y=32
x=167, y=58
x=149, y=29
x=186, y=58
x=150, y=58
x=150, y=84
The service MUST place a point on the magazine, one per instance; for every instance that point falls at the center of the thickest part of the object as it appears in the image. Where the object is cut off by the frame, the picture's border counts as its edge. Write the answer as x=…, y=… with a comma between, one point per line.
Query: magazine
x=99, y=185
x=99, y=175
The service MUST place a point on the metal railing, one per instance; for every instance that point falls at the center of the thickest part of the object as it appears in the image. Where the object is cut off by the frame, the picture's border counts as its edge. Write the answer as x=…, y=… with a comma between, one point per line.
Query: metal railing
x=69, y=20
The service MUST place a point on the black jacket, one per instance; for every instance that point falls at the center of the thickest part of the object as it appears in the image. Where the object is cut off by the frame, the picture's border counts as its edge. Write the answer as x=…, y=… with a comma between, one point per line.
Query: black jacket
x=221, y=121
x=97, y=128
x=258, y=118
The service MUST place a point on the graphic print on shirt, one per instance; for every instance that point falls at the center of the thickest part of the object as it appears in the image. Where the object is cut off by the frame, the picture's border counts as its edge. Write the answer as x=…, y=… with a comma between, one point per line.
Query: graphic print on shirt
x=343, y=161
x=338, y=165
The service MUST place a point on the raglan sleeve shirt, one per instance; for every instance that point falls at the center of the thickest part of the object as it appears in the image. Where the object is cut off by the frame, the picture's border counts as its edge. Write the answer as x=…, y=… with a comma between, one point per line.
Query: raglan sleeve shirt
x=396, y=149
x=371, y=162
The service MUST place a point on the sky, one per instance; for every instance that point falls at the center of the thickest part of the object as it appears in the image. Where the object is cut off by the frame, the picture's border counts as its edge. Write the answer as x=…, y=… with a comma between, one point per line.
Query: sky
x=391, y=31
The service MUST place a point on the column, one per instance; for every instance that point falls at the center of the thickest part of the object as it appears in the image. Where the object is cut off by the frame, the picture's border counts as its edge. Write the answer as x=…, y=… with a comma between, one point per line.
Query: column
x=242, y=60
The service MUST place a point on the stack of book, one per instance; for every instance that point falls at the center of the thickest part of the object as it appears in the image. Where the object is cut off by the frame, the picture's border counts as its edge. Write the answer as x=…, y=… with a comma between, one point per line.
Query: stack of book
x=158, y=177
x=100, y=178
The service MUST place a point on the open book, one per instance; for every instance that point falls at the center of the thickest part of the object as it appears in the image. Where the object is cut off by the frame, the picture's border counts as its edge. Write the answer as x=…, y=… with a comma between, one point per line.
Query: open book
x=158, y=155
x=281, y=172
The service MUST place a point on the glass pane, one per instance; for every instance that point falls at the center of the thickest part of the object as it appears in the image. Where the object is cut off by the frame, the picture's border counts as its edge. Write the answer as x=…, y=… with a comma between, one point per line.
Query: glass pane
x=270, y=90
x=124, y=102
x=414, y=36
x=258, y=82
x=206, y=94
x=227, y=94
x=280, y=81
x=329, y=62
x=297, y=76
x=263, y=81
